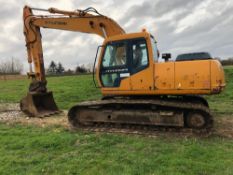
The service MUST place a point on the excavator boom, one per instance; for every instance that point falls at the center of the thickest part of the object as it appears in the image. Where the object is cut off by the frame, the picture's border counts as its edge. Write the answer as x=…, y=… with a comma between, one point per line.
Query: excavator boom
x=39, y=101
x=78, y=21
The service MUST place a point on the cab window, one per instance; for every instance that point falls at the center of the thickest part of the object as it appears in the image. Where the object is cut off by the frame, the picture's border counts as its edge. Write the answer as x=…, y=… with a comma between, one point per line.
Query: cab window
x=115, y=55
x=140, y=55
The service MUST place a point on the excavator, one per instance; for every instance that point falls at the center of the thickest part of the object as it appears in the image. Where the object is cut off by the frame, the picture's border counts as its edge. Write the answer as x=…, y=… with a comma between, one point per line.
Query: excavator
x=137, y=89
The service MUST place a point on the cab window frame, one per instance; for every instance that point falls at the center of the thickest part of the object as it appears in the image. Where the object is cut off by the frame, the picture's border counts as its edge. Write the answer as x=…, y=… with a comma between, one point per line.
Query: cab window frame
x=154, y=43
x=143, y=67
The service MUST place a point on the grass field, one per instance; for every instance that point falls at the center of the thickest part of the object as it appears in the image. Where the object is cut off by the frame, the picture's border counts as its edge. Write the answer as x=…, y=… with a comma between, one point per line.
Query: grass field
x=223, y=103
x=54, y=150
x=29, y=149
x=68, y=90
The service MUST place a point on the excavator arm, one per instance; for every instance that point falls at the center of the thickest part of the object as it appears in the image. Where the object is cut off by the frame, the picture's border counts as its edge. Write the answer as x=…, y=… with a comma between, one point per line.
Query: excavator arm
x=85, y=21
x=78, y=21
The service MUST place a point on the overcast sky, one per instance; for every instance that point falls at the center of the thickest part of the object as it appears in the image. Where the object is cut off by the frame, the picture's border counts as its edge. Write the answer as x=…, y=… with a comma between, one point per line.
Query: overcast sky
x=178, y=25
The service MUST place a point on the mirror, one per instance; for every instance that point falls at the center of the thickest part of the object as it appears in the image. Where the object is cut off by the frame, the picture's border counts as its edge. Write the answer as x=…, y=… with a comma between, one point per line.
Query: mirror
x=166, y=56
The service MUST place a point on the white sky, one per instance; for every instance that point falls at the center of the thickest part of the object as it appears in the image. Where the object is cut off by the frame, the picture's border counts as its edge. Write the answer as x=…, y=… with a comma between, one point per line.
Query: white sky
x=179, y=25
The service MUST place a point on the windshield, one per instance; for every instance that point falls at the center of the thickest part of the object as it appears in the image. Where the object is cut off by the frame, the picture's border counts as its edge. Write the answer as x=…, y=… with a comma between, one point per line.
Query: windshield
x=154, y=49
x=115, y=55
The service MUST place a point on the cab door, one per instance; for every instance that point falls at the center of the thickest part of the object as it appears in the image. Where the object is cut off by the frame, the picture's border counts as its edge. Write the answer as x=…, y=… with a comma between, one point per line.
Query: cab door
x=114, y=67
x=140, y=67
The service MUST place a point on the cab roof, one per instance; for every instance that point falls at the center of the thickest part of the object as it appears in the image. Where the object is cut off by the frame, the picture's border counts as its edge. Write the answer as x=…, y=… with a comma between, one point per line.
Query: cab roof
x=142, y=34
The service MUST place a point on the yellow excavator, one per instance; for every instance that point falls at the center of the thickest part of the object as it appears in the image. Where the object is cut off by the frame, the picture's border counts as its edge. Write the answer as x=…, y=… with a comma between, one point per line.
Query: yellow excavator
x=137, y=89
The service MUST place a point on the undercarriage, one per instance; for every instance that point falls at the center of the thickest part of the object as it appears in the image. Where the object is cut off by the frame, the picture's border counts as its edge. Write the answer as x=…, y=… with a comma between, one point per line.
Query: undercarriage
x=191, y=112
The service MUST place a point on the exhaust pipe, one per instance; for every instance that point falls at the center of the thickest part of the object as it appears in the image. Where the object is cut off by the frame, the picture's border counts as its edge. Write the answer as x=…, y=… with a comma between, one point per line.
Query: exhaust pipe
x=39, y=104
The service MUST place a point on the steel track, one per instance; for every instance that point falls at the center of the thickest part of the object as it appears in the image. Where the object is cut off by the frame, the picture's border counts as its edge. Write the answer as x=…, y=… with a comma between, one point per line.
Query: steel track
x=174, y=104
x=141, y=130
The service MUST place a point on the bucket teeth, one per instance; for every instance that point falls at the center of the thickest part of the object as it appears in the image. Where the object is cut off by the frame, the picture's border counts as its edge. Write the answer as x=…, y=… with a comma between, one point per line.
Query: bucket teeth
x=39, y=104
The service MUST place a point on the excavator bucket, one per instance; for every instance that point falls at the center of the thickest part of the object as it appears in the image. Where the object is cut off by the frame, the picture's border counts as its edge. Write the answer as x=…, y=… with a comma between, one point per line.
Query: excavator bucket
x=39, y=104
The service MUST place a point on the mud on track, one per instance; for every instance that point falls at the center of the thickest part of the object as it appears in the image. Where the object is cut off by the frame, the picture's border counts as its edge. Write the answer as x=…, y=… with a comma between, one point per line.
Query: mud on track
x=11, y=114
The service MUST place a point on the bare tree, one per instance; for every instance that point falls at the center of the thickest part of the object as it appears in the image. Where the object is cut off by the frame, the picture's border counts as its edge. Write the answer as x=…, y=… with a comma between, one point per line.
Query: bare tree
x=89, y=67
x=11, y=66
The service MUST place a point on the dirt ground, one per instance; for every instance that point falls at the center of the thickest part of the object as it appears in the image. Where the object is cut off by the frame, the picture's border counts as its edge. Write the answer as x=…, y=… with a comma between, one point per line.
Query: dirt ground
x=12, y=77
x=10, y=114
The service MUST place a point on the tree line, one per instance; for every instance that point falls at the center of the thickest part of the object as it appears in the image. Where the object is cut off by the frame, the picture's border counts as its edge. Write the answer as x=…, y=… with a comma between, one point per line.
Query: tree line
x=14, y=66
x=58, y=69
x=227, y=62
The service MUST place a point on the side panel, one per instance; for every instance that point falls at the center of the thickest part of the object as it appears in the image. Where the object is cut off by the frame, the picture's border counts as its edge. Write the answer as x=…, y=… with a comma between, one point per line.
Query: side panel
x=164, y=76
x=143, y=80
x=182, y=75
x=192, y=74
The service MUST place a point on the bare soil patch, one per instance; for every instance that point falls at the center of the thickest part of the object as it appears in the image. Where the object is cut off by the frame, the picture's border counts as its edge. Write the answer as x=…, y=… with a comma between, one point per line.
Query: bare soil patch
x=224, y=126
x=10, y=113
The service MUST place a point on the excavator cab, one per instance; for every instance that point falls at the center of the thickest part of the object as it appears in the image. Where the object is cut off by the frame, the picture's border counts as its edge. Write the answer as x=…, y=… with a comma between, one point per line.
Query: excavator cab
x=122, y=57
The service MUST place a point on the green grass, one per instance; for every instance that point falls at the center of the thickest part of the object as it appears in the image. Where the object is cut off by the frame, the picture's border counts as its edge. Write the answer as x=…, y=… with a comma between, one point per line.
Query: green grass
x=54, y=150
x=32, y=150
x=67, y=90
x=223, y=102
